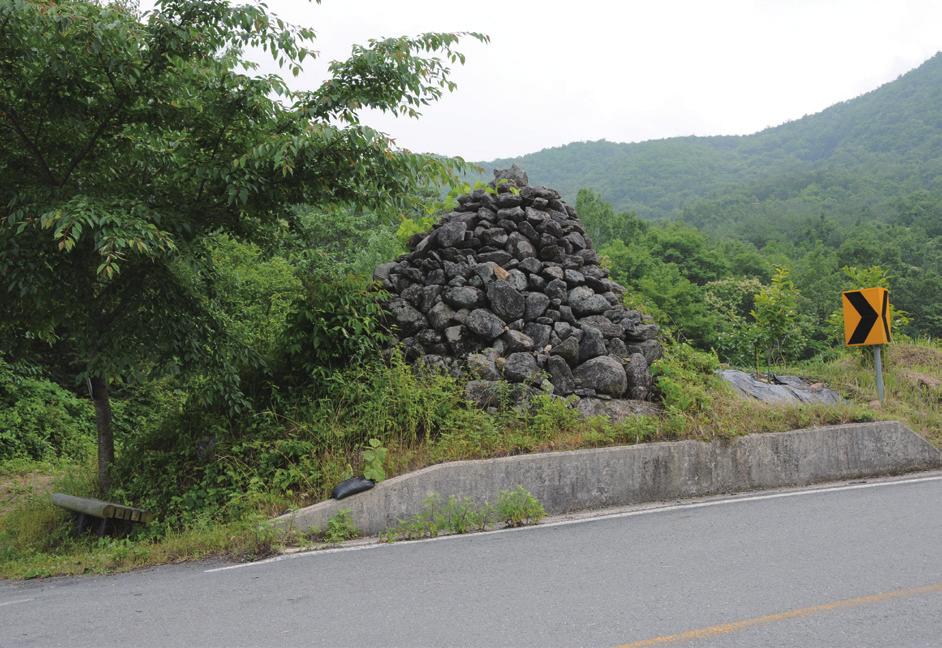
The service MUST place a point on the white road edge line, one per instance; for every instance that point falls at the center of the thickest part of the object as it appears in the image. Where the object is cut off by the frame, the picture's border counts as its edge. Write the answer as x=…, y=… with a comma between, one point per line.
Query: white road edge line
x=2, y=603
x=608, y=516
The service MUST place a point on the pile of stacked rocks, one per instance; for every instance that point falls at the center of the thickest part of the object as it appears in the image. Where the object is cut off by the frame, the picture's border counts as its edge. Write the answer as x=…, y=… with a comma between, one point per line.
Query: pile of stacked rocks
x=508, y=287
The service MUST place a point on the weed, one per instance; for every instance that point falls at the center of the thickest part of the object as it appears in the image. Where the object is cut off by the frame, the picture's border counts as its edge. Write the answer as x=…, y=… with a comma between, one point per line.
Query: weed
x=550, y=415
x=211, y=492
x=340, y=527
x=635, y=429
x=374, y=458
x=462, y=515
x=425, y=524
x=685, y=378
x=518, y=507
x=252, y=539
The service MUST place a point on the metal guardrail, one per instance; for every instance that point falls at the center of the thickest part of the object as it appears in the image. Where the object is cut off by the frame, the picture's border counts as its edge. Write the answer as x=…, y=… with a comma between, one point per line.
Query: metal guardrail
x=101, y=509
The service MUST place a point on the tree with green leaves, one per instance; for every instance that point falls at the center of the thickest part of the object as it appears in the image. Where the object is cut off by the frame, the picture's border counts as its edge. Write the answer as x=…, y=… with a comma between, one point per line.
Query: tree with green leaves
x=776, y=330
x=603, y=224
x=129, y=138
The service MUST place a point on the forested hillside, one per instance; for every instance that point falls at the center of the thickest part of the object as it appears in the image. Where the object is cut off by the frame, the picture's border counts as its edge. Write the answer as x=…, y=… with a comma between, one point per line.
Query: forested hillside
x=190, y=322
x=858, y=184
x=857, y=155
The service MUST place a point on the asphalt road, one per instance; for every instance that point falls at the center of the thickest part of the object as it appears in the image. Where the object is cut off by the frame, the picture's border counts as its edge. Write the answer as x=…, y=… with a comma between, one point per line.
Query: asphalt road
x=854, y=567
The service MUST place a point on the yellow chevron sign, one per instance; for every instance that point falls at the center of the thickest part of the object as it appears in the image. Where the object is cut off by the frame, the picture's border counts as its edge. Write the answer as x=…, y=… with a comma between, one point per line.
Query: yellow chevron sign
x=866, y=316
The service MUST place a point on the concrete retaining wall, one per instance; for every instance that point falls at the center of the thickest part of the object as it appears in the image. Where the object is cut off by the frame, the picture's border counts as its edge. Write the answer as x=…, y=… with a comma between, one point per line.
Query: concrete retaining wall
x=604, y=477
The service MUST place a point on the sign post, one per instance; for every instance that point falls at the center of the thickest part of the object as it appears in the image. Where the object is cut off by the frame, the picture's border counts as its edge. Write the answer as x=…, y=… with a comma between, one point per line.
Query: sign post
x=878, y=364
x=867, y=323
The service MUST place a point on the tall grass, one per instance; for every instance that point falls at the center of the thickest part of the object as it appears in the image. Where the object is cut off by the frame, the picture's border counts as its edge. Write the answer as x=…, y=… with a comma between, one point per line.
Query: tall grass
x=215, y=505
x=912, y=378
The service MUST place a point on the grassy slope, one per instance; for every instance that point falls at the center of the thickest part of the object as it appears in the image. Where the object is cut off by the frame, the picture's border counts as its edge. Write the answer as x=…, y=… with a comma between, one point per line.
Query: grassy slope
x=34, y=539
x=913, y=380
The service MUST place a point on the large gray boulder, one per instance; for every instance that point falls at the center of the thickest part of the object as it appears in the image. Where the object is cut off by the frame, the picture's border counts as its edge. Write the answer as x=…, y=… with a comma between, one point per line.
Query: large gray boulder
x=616, y=409
x=521, y=367
x=485, y=324
x=604, y=374
x=440, y=316
x=517, y=341
x=592, y=344
x=568, y=350
x=462, y=297
x=451, y=233
x=640, y=381
x=560, y=375
x=480, y=366
x=536, y=305
x=514, y=175
x=783, y=389
x=408, y=319
x=506, y=301
x=591, y=305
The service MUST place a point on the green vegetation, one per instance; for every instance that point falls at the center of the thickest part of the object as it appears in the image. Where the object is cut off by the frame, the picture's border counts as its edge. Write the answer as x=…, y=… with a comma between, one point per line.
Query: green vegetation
x=755, y=308
x=518, y=507
x=211, y=493
x=913, y=377
x=855, y=185
x=852, y=161
x=133, y=143
x=374, y=457
x=340, y=528
x=190, y=324
x=455, y=515
x=438, y=516
x=40, y=420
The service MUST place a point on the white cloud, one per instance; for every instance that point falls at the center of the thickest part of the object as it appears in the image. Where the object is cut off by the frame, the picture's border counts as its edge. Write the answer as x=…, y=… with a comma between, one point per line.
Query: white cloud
x=557, y=72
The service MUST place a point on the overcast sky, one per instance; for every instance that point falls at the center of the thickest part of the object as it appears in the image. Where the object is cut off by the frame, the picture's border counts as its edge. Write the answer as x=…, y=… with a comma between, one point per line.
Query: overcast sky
x=626, y=71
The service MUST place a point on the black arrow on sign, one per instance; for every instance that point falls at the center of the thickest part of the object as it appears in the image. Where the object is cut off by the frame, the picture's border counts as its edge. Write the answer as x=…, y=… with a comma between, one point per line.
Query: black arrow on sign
x=886, y=308
x=868, y=317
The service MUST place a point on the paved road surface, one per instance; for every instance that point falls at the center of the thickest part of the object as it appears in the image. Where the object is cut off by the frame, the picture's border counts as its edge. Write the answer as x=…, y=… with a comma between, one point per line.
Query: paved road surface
x=852, y=567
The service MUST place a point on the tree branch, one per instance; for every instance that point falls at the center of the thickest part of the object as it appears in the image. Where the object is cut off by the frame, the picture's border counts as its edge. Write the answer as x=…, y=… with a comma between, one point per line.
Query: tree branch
x=100, y=130
x=212, y=157
x=31, y=145
x=90, y=144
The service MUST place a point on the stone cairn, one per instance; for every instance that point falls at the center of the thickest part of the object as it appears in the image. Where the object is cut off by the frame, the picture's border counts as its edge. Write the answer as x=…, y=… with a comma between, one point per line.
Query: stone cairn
x=508, y=287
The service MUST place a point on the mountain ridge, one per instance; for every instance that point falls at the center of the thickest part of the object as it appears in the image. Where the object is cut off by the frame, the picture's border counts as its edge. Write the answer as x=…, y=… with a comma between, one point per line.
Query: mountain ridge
x=852, y=151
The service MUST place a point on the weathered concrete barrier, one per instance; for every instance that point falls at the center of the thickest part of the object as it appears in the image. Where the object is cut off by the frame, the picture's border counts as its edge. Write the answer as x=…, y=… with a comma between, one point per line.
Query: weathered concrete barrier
x=604, y=477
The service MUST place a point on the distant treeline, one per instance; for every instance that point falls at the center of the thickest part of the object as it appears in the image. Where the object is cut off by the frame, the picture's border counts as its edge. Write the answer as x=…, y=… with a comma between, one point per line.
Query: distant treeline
x=859, y=184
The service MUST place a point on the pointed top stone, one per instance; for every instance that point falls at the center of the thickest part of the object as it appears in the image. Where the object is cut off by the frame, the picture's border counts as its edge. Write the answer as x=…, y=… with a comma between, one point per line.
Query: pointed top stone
x=514, y=175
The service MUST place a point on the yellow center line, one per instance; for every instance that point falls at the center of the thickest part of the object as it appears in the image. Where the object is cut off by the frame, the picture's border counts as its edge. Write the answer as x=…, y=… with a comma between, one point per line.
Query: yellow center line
x=727, y=628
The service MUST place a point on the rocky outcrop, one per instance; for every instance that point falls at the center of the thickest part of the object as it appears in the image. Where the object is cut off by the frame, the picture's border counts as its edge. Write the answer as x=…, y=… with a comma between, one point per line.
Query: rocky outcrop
x=508, y=286
x=784, y=389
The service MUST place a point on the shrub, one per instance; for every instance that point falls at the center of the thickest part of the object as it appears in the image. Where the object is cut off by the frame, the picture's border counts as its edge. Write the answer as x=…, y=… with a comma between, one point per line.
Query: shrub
x=549, y=416
x=409, y=227
x=39, y=420
x=374, y=458
x=340, y=527
x=393, y=400
x=518, y=507
x=684, y=377
x=201, y=464
x=339, y=322
x=780, y=331
x=461, y=515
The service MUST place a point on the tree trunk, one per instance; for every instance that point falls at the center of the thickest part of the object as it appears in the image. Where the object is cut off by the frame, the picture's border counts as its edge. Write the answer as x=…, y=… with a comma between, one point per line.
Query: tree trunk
x=105, y=437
